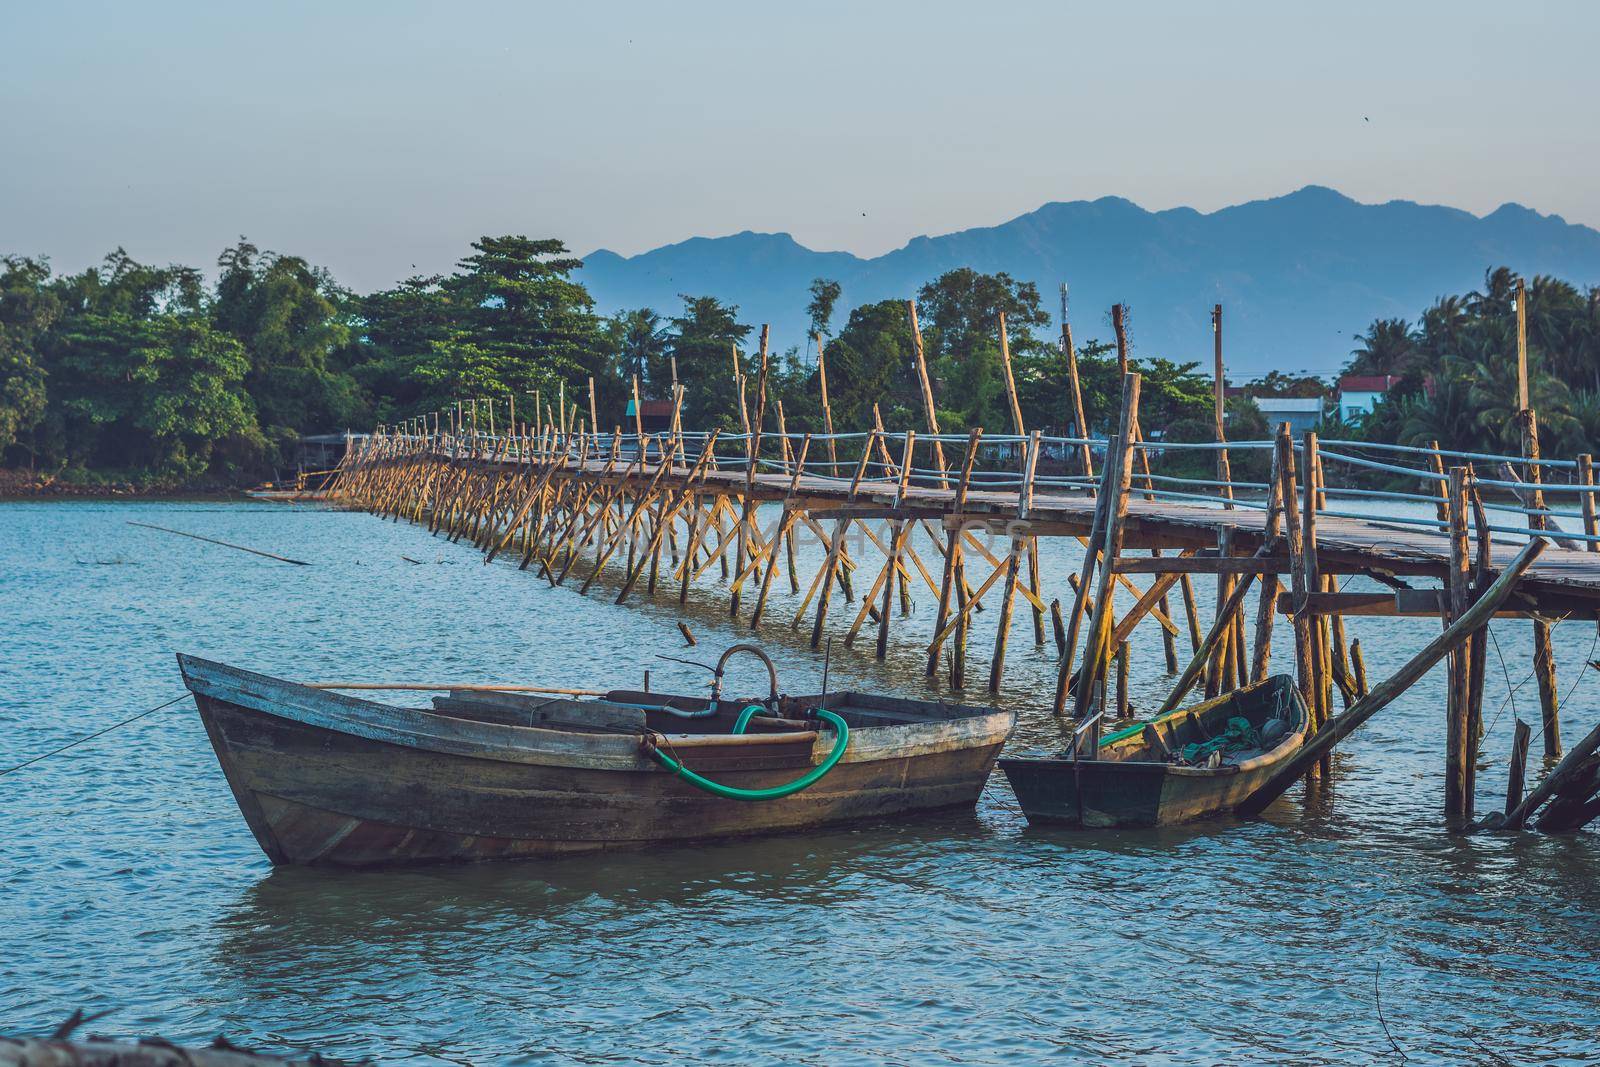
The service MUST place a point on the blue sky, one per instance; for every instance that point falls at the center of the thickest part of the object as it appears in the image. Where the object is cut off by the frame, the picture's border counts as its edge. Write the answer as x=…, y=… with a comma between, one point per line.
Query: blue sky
x=373, y=136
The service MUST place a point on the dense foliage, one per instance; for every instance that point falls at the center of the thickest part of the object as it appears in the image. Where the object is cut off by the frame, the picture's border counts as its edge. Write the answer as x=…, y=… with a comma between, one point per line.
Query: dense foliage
x=132, y=370
x=1458, y=370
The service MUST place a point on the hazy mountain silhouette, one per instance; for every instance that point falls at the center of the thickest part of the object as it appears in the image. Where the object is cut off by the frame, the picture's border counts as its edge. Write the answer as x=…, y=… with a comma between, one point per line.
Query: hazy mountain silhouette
x=1297, y=274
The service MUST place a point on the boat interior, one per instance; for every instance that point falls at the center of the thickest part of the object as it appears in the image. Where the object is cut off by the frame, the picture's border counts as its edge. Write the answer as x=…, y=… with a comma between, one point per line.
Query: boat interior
x=635, y=711
x=1208, y=734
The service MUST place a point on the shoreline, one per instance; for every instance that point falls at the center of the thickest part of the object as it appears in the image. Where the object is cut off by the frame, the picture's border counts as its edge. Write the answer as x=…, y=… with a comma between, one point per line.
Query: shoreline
x=21, y=485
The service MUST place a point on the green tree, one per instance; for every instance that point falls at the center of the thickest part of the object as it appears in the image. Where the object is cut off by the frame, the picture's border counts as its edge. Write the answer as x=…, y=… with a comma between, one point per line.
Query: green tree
x=704, y=341
x=824, y=295
x=959, y=313
x=871, y=361
x=1388, y=347
x=287, y=316
x=643, y=346
x=162, y=394
x=391, y=330
x=514, y=298
x=27, y=310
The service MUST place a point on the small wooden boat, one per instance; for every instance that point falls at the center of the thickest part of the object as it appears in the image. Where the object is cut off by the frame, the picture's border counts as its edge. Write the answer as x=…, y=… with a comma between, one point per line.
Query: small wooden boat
x=1195, y=763
x=324, y=778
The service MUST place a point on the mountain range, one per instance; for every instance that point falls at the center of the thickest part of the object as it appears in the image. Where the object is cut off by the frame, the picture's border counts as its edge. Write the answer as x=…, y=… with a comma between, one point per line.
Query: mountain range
x=1298, y=275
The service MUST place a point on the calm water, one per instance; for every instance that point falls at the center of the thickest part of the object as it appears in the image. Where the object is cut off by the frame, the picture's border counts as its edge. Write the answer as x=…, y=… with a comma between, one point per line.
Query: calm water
x=129, y=882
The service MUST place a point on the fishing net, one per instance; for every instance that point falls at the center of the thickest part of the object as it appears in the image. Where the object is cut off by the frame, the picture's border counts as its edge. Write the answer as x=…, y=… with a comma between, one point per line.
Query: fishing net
x=1239, y=735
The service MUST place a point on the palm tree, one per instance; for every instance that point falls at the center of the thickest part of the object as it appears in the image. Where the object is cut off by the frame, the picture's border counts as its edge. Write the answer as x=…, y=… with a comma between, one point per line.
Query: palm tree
x=1583, y=435
x=641, y=341
x=1490, y=380
x=1444, y=327
x=1388, y=347
x=1444, y=415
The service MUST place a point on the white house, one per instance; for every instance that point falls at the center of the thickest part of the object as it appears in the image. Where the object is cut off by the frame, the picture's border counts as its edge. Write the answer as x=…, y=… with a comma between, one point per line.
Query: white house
x=1300, y=412
x=1360, y=393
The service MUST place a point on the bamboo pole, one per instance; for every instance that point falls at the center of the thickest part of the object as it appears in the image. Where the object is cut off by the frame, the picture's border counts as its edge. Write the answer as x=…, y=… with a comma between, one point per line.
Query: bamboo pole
x=1544, y=664
x=1096, y=650
x=1457, y=798
x=785, y=533
x=594, y=416
x=1261, y=657
x=1029, y=460
x=1218, y=397
x=1313, y=583
x=1019, y=542
x=1081, y=605
x=1214, y=636
x=1075, y=390
x=928, y=408
x=1347, y=721
x=952, y=555
x=827, y=411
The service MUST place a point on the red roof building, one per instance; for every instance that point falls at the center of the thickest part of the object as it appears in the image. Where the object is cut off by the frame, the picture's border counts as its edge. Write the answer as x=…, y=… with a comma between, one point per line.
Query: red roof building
x=1360, y=393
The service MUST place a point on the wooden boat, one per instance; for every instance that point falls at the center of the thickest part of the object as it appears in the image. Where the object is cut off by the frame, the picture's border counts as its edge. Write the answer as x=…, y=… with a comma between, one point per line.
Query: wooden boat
x=1195, y=763
x=324, y=778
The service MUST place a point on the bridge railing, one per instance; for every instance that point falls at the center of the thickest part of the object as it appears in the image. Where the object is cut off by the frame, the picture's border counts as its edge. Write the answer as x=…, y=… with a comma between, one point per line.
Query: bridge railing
x=1366, y=481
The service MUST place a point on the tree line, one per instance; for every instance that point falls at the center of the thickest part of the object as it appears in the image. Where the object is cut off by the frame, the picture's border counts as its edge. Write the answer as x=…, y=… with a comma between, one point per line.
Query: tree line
x=146, y=372
x=149, y=373
x=1457, y=369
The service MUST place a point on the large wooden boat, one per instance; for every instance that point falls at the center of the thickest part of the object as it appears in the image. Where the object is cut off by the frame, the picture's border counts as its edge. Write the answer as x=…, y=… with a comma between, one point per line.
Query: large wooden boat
x=324, y=778
x=1196, y=763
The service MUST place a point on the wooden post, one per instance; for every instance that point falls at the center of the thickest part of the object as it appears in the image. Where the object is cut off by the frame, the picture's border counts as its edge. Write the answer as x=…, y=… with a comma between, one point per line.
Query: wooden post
x=1261, y=655
x=952, y=555
x=1305, y=674
x=1586, y=478
x=638, y=414
x=1081, y=425
x=1018, y=541
x=1518, y=772
x=897, y=536
x=1029, y=460
x=1438, y=485
x=927, y=394
x=827, y=412
x=594, y=416
x=752, y=457
x=1572, y=764
x=1096, y=644
x=1457, y=801
x=1218, y=396
x=1080, y=588
x=1316, y=626
x=1348, y=720
x=1544, y=662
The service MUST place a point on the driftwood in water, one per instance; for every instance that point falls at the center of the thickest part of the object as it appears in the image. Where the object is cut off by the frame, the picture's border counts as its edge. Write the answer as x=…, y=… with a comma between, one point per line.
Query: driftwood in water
x=1565, y=780
x=1520, y=737
x=1342, y=725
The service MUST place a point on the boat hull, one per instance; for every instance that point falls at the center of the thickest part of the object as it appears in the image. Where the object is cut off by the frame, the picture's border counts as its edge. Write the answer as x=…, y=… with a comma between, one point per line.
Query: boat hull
x=1095, y=794
x=314, y=793
x=1126, y=787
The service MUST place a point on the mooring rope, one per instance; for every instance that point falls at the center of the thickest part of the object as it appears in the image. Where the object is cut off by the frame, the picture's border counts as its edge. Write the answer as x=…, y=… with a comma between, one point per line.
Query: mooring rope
x=91, y=737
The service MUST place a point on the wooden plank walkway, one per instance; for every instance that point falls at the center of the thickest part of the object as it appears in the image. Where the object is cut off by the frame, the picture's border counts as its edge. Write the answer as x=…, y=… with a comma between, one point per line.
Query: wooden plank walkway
x=1562, y=582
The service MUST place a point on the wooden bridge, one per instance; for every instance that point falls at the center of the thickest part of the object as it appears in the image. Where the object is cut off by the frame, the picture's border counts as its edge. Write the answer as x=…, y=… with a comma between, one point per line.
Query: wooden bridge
x=664, y=515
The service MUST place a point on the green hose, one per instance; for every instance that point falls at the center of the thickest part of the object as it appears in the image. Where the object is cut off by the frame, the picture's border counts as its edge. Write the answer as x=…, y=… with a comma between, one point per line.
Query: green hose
x=811, y=777
x=750, y=712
